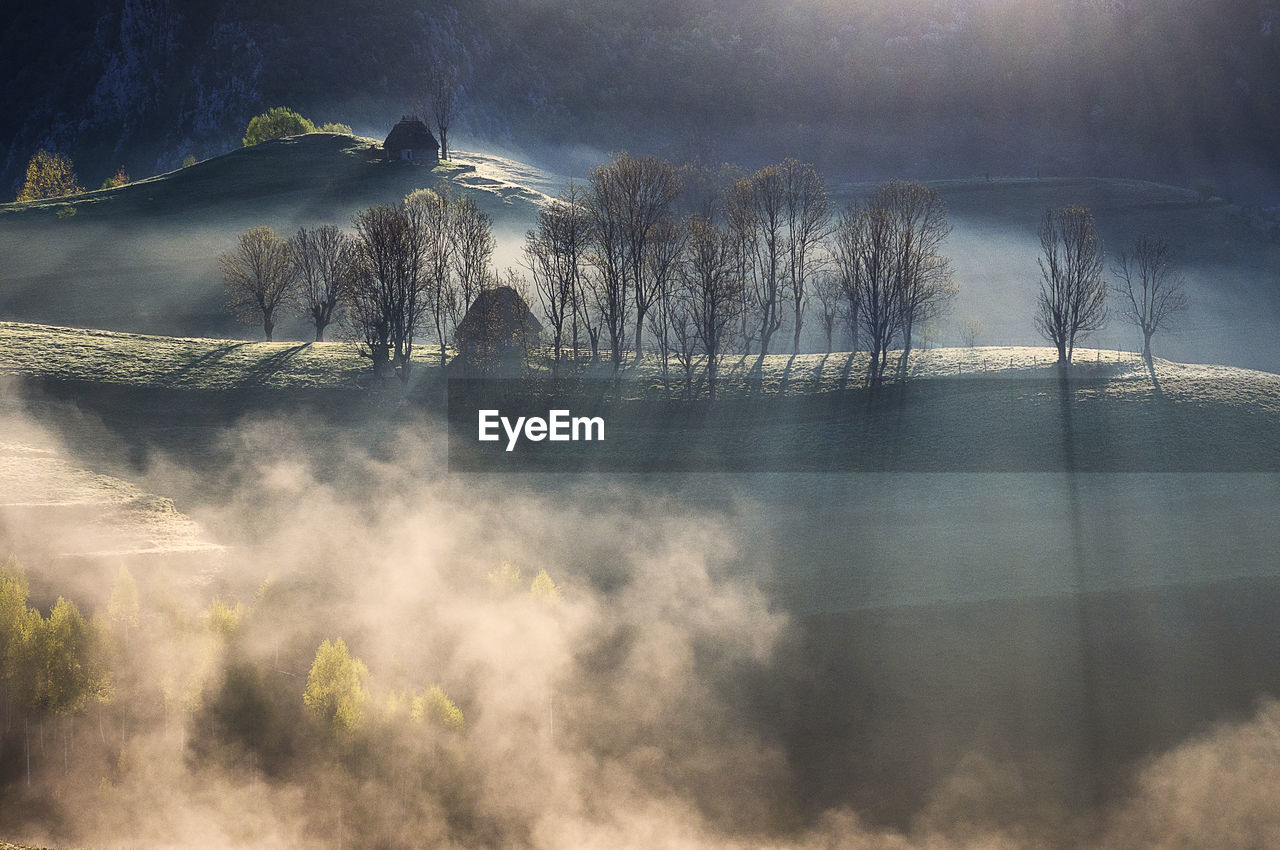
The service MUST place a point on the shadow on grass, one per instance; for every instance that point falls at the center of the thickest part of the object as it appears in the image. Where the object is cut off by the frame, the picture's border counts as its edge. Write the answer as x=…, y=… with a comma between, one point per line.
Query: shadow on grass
x=1155, y=380
x=785, y=383
x=262, y=371
x=208, y=359
x=847, y=371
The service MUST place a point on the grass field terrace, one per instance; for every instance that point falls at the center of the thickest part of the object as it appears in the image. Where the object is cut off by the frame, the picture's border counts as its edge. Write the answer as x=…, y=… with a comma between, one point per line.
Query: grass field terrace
x=49, y=353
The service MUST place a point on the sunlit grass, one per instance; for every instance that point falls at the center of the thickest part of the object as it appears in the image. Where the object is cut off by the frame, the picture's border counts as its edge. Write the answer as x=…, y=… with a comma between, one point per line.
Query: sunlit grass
x=112, y=358
x=109, y=357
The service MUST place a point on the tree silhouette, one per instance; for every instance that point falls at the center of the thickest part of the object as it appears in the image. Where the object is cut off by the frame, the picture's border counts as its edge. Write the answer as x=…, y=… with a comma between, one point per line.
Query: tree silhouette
x=259, y=275
x=1072, y=301
x=1153, y=293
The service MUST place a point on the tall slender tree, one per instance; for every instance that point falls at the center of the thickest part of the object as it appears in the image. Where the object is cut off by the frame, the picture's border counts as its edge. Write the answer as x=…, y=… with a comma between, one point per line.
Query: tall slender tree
x=324, y=263
x=432, y=224
x=554, y=253
x=713, y=291
x=807, y=218
x=1152, y=291
x=922, y=274
x=630, y=198
x=473, y=245
x=758, y=215
x=1072, y=301
x=865, y=254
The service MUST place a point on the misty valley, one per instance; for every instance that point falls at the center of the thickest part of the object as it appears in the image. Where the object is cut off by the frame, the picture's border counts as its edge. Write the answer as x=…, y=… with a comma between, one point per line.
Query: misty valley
x=675, y=425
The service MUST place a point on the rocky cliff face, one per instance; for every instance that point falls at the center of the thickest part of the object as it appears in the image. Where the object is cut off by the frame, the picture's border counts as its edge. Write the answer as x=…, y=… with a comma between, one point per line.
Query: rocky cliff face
x=135, y=82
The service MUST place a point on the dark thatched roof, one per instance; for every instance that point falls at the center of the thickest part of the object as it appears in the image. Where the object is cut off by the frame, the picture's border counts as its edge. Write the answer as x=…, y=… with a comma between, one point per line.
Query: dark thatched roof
x=499, y=314
x=497, y=331
x=410, y=133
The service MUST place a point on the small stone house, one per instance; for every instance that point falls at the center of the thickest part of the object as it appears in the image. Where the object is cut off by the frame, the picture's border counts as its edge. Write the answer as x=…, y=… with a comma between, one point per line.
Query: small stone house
x=411, y=141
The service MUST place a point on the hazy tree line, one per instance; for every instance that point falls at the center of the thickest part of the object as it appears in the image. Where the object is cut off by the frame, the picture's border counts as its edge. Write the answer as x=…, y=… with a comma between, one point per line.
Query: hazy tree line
x=404, y=269
x=629, y=262
x=692, y=264
x=51, y=667
x=697, y=264
x=1072, y=301
x=75, y=689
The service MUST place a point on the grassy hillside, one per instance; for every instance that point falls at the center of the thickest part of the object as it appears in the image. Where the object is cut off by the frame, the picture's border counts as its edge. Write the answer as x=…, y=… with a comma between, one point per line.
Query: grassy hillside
x=999, y=408
x=151, y=362
x=143, y=257
x=157, y=362
x=315, y=175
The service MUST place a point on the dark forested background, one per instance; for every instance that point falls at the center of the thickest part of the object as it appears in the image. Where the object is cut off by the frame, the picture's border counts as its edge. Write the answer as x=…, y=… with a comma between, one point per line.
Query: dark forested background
x=1177, y=90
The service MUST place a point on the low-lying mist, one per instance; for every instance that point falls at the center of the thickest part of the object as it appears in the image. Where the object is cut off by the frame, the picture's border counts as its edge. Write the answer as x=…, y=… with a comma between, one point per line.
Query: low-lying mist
x=650, y=690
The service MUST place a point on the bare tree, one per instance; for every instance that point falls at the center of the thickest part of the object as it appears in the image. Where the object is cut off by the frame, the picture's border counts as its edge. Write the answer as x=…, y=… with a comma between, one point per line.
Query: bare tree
x=588, y=314
x=740, y=219
x=431, y=216
x=830, y=297
x=1154, y=293
x=611, y=289
x=971, y=329
x=636, y=194
x=391, y=294
x=259, y=275
x=807, y=217
x=440, y=101
x=923, y=277
x=713, y=290
x=1072, y=301
x=866, y=257
x=574, y=240
x=473, y=251
x=372, y=299
x=665, y=245
x=324, y=262
x=683, y=330
x=757, y=213
x=554, y=253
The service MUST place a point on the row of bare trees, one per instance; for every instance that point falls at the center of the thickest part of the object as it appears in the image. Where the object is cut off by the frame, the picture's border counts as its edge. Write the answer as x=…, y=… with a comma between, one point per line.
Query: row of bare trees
x=1073, y=298
x=616, y=259
x=405, y=268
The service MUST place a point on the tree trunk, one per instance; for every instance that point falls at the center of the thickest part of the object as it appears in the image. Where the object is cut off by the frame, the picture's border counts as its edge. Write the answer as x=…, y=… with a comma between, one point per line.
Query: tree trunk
x=267, y=327
x=906, y=349
x=639, y=331
x=319, y=333
x=555, y=361
x=575, y=333
x=1062, y=352
x=765, y=333
x=1146, y=347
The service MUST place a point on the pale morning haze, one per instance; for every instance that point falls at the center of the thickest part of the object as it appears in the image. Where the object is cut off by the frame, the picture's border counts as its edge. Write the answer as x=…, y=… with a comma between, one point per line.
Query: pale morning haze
x=688, y=424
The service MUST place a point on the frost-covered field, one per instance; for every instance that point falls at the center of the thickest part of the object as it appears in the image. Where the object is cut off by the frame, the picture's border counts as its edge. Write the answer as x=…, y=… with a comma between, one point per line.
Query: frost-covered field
x=114, y=358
